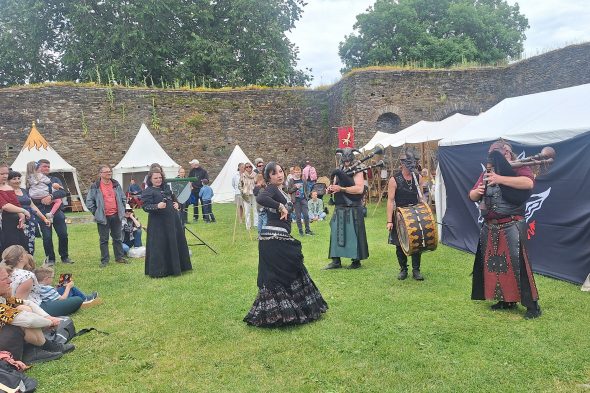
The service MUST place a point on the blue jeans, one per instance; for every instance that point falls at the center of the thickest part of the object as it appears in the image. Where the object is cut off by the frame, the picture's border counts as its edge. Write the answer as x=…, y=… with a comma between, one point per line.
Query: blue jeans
x=59, y=224
x=73, y=292
x=262, y=219
x=136, y=242
x=207, y=207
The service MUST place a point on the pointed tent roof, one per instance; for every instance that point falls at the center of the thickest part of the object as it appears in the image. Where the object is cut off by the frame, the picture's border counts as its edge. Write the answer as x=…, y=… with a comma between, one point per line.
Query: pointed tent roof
x=223, y=189
x=37, y=147
x=144, y=151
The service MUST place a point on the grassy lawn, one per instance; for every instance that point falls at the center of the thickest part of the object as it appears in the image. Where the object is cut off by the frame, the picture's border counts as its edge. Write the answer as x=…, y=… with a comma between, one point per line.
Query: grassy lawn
x=185, y=334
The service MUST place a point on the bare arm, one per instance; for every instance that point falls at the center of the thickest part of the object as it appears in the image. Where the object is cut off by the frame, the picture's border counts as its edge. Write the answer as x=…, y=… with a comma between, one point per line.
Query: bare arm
x=24, y=290
x=391, y=189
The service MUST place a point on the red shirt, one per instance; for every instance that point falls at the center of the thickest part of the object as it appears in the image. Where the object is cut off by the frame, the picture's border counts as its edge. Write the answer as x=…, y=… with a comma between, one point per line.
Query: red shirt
x=110, y=200
x=8, y=197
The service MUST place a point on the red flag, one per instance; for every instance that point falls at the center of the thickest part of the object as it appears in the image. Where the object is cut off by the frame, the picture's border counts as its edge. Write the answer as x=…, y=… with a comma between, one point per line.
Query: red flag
x=345, y=137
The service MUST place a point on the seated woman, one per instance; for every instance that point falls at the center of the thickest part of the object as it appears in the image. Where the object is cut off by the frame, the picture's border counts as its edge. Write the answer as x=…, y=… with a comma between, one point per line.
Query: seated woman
x=166, y=248
x=25, y=285
x=287, y=295
x=22, y=321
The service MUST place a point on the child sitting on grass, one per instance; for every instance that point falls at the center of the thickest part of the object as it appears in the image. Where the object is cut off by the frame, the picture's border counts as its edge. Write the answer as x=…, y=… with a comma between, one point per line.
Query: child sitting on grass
x=316, y=208
x=49, y=293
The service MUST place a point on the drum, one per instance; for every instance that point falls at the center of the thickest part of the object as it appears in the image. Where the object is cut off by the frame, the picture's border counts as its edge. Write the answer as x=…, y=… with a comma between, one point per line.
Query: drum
x=416, y=228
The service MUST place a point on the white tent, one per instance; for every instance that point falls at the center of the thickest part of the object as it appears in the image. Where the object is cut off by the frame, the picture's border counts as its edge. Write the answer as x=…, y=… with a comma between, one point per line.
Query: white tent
x=143, y=152
x=422, y=131
x=223, y=190
x=534, y=119
x=35, y=148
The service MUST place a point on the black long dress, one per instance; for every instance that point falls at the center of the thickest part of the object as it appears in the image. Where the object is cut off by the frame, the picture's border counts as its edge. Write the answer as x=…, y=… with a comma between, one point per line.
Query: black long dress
x=166, y=248
x=287, y=295
x=10, y=234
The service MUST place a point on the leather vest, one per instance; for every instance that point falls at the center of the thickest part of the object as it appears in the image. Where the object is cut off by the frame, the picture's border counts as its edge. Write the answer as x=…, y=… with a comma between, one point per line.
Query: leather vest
x=406, y=193
x=497, y=204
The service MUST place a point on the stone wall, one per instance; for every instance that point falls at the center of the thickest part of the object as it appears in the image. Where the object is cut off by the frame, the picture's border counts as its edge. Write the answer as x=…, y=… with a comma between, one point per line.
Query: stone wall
x=90, y=125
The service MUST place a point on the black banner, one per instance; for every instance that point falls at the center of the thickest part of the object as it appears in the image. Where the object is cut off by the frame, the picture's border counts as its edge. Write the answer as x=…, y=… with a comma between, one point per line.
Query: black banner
x=557, y=214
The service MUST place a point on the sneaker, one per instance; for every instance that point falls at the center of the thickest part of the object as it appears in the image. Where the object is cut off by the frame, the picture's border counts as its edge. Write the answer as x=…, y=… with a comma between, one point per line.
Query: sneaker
x=91, y=303
x=103, y=264
x=301, y=233
x=403, y=274
x=48, y=263
x=335, y=264
x=34, y=354
x=92, y=296
x=122, y=260
x=309, y=232
x=67, y=260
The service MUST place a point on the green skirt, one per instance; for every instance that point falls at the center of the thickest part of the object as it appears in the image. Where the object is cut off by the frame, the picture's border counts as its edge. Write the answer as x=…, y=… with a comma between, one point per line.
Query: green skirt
x=348, y=238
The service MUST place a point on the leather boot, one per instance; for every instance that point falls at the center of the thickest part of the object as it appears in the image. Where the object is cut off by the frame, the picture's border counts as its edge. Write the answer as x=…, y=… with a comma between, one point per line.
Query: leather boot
x=403, y=274
x=416, y=267
x=402, y=259
x=533, y=312
x=335, y=264
x=355, y=264
x=417, y=276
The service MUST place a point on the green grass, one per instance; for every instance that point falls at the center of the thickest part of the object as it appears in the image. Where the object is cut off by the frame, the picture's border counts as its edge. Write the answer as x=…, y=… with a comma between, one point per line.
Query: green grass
x=185, y=334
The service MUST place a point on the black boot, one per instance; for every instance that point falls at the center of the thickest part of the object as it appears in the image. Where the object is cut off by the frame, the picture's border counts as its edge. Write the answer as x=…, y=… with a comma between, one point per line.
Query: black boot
x=33, y=354
x=502, y=305
x=355, y=264
x=402, y=259
x=416, y=267
x=533, y=312
x=335, y=264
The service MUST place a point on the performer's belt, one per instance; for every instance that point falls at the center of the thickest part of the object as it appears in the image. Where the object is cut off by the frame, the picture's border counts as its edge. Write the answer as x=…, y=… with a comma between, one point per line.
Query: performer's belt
x=498, y=221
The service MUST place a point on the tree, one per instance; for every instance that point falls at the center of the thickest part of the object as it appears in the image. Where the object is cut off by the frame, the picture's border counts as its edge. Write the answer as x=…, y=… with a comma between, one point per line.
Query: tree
x=435, y=33
x=209, y=42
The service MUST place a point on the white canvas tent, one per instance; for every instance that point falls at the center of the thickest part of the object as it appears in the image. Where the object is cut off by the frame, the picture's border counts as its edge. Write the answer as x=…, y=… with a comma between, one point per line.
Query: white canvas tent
x=557, y=214
x=143, y=152
x=35, y=148
x=222, y=185
x=420, y=132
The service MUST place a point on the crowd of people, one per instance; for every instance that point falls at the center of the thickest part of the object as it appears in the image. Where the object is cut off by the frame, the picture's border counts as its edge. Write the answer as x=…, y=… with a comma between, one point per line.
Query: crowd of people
x=265, y=197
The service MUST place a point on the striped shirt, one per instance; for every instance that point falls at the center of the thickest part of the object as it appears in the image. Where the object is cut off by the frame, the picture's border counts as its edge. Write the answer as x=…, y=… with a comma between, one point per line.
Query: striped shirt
x=48, y=293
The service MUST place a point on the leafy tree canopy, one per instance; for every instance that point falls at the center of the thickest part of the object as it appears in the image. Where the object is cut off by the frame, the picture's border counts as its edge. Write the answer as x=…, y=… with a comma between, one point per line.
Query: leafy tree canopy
x=435, y=33
x=208, y=42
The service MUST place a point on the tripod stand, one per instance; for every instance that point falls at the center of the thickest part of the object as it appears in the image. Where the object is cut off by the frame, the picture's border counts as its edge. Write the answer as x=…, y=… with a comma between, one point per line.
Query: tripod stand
x=183, y=213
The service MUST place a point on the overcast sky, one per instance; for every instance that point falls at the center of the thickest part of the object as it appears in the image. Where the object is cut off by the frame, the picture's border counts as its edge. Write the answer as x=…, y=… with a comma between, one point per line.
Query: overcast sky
x=553, y=24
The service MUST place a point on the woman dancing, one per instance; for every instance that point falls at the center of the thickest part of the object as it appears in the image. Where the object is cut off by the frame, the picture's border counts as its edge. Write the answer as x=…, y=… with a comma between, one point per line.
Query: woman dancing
x=287, y=295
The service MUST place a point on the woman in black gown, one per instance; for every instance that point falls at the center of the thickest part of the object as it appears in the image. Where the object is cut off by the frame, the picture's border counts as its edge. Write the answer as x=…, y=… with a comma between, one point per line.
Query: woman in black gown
x=287, y=295
x=166, y=248
x=13, y=214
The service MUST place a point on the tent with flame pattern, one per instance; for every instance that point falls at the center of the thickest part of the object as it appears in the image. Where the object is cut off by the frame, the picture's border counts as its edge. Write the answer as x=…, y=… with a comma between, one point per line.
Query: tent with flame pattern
x=36, y=147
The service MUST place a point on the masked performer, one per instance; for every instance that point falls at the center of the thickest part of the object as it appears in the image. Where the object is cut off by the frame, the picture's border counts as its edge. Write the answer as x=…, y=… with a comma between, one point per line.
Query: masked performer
x=348, y=238
x=502, y=270
x=287, y=295
x=402, y=191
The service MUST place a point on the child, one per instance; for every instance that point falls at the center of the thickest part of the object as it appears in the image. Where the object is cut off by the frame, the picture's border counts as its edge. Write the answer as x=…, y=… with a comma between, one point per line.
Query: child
x=259, y=186
x=50, y=294
x=39, y=186
x=206, y=195
x=298, y=190
x=316, y=208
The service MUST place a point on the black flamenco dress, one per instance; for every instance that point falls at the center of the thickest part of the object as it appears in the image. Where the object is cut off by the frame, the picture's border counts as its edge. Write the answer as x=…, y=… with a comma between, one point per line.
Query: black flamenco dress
x=166, y=248
x=287, y=295
x=10, y=234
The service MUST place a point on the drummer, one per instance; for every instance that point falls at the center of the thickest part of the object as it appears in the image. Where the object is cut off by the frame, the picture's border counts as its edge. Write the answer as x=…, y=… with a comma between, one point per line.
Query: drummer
x=402, y=190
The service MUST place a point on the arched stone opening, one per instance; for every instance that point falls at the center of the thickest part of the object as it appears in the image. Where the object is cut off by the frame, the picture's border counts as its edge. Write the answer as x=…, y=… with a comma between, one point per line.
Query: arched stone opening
x=388, y=122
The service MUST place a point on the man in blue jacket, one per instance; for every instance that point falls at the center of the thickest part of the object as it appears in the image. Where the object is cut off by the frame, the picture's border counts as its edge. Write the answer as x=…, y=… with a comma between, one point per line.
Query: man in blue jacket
x=106, y=201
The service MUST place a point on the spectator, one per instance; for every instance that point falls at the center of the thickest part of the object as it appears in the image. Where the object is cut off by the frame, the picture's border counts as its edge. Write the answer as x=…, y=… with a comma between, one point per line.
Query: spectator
x=59, y=219
x=316, y=208
x=298, y=190
x=259, y=164
x=198, y=173
x=235, y=182
x=131, y=230
x=247, y=183
x=258, y=187
x=134, y=188
x=25, y=285
x=206, y=196
x=107, y=202
x=50, y=294
x=13, y=214
x=309, y=175
x=25, y=201
x=21, y=322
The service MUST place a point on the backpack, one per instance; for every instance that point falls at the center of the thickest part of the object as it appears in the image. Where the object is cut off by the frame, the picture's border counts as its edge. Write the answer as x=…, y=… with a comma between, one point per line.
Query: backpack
x=63, y=333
